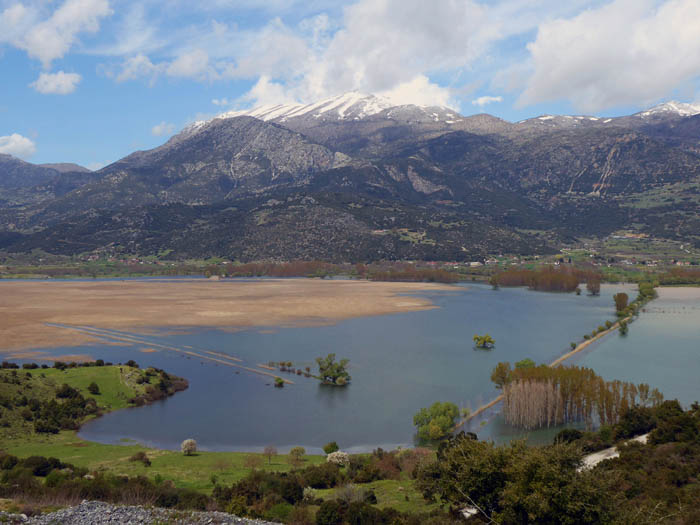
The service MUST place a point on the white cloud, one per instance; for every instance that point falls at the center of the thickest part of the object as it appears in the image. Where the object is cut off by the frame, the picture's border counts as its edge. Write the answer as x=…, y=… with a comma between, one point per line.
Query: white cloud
x=193, y=63
x=17, y=145
x=267, y=92
x=389, y=47
x=52, y=38
x=164, y=128
x=626, y=52
x=59, y=83
x=412, y=50
x=380, y=46
x=419, y=90
x=222, y=102
x=486, y=99
x=135, y=67
x=15, y=21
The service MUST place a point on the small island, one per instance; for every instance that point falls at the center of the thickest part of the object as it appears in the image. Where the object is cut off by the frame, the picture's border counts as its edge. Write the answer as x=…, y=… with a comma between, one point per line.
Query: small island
x=484, y=342
x=332, y=372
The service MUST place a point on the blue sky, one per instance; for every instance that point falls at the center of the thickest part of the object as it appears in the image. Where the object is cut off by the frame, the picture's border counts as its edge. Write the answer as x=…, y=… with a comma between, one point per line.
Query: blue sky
x=90, y=81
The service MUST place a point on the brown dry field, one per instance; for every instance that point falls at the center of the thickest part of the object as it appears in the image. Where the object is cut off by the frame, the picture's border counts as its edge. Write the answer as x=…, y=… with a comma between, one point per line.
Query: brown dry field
x=138, y=306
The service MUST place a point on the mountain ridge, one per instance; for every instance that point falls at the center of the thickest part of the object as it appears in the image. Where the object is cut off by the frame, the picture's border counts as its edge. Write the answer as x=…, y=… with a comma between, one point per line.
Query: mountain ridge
x=381, y=181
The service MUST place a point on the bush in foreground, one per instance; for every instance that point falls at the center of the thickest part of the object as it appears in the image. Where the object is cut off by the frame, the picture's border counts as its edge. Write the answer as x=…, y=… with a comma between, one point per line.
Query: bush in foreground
x=188, y=447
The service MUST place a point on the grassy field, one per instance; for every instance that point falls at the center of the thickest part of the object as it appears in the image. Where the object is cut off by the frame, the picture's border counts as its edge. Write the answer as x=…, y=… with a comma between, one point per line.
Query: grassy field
x=117, y=384
x=200, y=472
x=193, y=472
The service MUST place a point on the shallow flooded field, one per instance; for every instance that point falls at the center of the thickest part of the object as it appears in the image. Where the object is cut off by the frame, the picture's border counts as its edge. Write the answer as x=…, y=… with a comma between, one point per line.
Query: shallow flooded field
x=399, y=363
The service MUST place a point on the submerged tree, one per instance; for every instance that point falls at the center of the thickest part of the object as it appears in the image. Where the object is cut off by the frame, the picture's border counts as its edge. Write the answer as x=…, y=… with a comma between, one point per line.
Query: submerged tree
x=593, y=285
x=332, y=372
x=484, y=341
x=500, y=374
x=624, y=327
x=542, y=396
x=525, y=363
x=621, y=300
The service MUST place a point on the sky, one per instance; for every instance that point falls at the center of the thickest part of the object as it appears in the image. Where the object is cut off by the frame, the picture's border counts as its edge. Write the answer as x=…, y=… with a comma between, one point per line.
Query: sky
x=90, y=81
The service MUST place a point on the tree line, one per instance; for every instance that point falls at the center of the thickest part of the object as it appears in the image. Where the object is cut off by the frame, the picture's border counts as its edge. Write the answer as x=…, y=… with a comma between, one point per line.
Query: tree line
x=542, y=396
x=548, y=279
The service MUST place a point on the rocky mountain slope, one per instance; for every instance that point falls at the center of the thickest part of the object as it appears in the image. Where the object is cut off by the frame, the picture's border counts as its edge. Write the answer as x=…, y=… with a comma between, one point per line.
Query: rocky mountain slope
x=357, y=178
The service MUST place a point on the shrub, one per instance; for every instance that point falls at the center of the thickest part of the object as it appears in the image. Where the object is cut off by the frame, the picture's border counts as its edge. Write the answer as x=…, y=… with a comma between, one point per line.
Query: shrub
x=331, y=447
x=46, y=427
x=41, y=466
x=7, y=461
x=93, y=388
x=338, y=458
x=296, y=456
x=635, y=421
x=142, y=457
x=67, y=392
x=331, y=513
x=568, y=435
x=437, y=421
x=324, y=476
x=188, y=447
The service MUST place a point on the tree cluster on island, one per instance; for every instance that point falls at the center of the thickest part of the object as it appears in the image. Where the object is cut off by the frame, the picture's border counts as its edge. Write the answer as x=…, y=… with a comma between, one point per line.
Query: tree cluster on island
x=332, y=372
x=485, y=341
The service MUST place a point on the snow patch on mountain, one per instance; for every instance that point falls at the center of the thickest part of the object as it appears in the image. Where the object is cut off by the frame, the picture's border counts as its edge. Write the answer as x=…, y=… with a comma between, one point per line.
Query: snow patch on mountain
x=349, y=106
x=679, y=108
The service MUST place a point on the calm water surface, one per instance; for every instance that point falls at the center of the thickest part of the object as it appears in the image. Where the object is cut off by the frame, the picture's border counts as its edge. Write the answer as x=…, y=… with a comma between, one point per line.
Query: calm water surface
x=399, y=363
x=662, y=347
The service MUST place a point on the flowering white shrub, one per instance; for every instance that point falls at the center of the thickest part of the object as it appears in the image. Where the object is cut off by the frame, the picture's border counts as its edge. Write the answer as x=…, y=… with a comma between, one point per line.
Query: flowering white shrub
x=339, y=458
x=188, y=447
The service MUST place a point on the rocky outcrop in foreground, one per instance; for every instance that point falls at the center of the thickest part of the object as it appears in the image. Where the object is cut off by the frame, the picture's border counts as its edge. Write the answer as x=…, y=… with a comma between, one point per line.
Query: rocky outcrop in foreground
x=97, y=513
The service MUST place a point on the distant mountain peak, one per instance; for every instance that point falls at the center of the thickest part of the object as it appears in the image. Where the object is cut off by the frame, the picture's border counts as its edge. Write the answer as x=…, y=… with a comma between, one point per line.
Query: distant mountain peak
x=348, y=106
x=679, y=108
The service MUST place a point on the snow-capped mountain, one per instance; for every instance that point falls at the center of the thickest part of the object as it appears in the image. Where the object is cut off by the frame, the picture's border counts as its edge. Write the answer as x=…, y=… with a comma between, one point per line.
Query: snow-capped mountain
x=546, y=122
x=672, y=108
x=667, y=111
x=348, y=107
x=349, y=116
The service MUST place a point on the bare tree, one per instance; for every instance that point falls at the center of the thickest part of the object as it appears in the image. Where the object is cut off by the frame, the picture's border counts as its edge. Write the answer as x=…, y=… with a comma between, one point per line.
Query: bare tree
x=269, y=452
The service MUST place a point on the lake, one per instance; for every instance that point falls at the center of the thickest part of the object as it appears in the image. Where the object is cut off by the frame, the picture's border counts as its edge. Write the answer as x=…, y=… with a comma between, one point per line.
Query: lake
x=399, y=363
